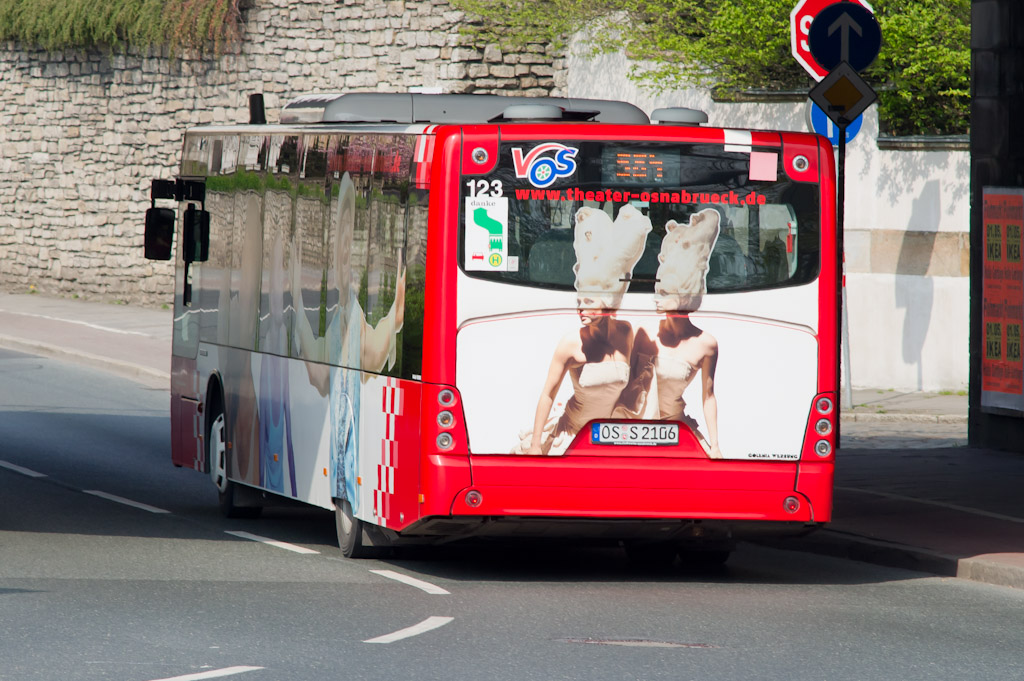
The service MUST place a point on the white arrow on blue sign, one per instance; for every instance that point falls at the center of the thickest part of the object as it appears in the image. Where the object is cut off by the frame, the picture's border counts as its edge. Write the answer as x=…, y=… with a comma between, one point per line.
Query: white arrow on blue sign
x=844, y=32
x=818, y=122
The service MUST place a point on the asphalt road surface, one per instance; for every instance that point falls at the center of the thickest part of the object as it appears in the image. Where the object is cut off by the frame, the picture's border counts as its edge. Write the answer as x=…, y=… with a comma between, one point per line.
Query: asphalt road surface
x=116, y=565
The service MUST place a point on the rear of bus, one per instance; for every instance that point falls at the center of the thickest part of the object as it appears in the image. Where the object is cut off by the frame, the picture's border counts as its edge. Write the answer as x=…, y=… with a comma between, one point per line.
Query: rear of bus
x=638, y=325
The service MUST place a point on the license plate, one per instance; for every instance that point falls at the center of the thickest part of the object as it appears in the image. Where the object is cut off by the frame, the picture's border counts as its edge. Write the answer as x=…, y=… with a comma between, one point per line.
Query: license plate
x=634, y=434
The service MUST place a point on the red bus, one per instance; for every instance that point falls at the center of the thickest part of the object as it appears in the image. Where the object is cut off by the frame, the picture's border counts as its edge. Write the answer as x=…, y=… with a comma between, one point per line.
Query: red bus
x=455, y=316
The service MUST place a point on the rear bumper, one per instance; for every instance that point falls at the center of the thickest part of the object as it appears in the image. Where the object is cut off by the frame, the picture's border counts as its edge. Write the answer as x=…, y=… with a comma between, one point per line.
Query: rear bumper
x=532, y=491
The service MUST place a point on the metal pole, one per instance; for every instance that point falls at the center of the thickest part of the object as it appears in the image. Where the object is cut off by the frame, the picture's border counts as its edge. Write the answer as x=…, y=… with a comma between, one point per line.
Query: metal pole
x=841, y=265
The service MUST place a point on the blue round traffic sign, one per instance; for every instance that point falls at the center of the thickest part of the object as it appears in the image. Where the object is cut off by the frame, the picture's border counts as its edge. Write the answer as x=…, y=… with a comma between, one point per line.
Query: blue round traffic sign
x=845, y=32
x=823, y=125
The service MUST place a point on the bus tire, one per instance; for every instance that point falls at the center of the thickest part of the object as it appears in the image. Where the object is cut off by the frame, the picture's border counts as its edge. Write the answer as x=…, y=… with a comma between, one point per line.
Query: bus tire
x=351, y=537
x=216, y=463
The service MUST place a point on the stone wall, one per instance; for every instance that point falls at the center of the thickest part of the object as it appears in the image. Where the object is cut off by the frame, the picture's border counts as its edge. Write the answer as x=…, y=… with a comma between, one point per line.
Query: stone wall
x=82, y=133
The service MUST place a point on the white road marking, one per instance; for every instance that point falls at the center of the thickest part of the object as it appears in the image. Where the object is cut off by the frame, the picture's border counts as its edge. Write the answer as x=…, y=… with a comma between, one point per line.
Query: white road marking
x=18, y=469
x=636, y=643
x=76, y=321
x=271, y=542
x=213, y=674
x=426, y=625
x=953, y=507
x=126, y=502
x=412, y=581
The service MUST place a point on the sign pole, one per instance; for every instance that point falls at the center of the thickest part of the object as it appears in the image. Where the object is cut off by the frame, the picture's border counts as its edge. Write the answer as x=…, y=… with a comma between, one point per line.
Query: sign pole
x=841, y=267
x=833, y=40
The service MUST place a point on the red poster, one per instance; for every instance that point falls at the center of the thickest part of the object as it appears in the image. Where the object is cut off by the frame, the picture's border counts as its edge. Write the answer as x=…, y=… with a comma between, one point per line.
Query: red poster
x=1002, y=373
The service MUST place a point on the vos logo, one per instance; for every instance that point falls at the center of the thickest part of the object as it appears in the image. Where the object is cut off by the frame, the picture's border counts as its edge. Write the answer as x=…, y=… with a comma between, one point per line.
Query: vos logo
x=542, y=170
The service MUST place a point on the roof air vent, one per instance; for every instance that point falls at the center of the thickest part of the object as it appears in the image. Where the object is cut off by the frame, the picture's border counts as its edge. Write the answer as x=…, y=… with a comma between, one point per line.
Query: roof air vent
x=531, y=112
x=678, y=115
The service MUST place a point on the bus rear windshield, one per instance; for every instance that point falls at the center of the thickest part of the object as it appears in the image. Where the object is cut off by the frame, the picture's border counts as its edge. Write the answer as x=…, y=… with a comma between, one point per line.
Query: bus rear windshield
x=549, y=207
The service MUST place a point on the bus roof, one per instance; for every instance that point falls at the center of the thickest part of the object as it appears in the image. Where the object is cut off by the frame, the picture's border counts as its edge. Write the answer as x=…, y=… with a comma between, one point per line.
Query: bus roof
x=378, y=107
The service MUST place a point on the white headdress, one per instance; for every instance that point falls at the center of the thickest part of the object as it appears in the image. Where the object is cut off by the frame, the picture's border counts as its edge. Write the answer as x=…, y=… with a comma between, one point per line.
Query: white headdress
x=683, y=259
x=607, y=251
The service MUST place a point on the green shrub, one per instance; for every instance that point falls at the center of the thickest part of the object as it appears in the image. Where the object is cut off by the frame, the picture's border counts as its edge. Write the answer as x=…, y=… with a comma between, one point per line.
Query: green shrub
x=198, y=25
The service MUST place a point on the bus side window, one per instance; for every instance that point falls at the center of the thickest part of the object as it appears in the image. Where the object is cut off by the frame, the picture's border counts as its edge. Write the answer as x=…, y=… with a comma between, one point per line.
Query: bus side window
x=211, y=283
x=385, y=246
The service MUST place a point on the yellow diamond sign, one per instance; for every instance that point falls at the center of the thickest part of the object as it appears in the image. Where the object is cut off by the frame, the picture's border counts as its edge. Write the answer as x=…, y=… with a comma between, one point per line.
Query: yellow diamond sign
x=843, y=95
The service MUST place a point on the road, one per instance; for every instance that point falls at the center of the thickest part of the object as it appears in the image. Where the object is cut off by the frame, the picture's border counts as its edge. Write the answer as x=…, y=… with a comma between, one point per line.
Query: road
x=116, y=565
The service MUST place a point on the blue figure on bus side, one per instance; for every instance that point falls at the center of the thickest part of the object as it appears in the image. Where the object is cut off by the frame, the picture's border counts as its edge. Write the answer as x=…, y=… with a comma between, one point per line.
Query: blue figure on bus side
x=337, y=362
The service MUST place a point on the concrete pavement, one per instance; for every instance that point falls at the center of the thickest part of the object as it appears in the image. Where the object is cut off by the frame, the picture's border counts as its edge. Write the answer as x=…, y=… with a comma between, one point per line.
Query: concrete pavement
x=132, y=341
x=909, y=491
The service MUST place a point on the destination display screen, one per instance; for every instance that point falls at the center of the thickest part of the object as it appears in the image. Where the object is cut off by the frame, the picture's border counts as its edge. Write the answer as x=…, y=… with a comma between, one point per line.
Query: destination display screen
x=639, y=166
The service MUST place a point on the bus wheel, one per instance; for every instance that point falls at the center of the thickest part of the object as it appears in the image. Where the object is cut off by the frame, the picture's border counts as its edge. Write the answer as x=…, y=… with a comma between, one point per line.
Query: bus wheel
x=350, y=532
x=216, y=458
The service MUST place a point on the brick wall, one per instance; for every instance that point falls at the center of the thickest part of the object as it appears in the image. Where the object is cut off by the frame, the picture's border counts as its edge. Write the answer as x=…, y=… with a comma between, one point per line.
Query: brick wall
x=83, y=132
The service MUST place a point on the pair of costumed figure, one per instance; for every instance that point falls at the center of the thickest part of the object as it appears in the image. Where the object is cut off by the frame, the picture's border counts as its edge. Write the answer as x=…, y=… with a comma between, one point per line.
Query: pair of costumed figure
x=617, y=372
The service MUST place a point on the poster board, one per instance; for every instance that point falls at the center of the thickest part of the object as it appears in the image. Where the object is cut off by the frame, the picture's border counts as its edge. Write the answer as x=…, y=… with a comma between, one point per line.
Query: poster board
x=1002, y=371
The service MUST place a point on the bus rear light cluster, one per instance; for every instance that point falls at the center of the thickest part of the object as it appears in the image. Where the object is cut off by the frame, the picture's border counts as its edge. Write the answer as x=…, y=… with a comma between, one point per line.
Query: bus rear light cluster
x=791, y=505
x=822, y=425
x=474, y=498
x=447, y=419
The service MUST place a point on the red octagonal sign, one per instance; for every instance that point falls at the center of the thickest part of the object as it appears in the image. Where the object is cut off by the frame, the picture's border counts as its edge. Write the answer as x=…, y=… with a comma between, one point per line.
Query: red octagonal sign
x=800, y=26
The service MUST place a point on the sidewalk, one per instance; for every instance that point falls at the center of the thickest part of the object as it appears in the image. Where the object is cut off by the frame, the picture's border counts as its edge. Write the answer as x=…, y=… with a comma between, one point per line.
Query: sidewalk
x=909, y=492
x=132, y=341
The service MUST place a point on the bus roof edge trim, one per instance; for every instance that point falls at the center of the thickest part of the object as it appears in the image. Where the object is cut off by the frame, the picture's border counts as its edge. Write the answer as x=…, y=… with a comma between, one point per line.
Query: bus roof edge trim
x=378, y=107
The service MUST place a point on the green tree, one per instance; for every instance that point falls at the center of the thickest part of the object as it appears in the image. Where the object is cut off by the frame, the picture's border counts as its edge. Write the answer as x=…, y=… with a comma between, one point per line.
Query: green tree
x=924, y=68
x=923, y=79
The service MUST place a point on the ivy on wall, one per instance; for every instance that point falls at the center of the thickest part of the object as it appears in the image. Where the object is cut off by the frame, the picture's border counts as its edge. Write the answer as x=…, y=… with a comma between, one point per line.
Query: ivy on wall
x=178, y=25
x=922, y=74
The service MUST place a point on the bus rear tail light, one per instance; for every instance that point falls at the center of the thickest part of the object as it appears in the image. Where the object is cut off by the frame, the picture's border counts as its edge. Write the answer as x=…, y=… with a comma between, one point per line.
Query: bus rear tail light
x=823, y=427
x=791, y=505
x=443, y=420
x=819, y=442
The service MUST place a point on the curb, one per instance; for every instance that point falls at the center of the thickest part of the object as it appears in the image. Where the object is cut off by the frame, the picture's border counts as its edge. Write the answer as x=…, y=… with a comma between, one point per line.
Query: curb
x=899, y=417
x=838, y=544
x=147, y=375
x=987, y=569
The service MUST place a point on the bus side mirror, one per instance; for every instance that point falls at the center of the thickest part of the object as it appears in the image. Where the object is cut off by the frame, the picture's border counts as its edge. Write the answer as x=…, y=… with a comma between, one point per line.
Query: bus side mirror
x=196, y=243
x=159, y=233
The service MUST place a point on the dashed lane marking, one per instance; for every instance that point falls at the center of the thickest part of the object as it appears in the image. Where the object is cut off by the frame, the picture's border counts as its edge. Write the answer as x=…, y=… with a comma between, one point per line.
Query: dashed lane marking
x=426, y=625
x=212, y=674
x=126, y=502
x=19, y=469
x=272, y=542
x=412, y=581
